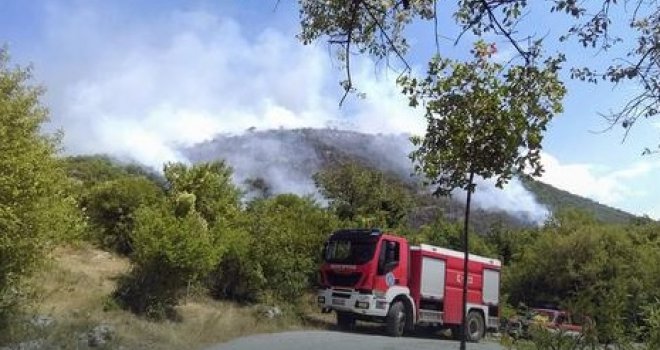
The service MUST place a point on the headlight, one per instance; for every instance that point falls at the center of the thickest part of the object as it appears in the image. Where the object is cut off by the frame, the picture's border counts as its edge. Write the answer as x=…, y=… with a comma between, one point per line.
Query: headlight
x=362, y=305
x=379, y=295
x=321, y=299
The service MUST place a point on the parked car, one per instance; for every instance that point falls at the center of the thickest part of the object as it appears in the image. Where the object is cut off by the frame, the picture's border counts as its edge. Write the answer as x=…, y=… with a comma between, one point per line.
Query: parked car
x=552, y=319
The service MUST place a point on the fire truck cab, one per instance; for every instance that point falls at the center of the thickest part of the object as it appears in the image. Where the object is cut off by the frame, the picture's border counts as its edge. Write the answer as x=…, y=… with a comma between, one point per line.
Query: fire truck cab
x=374, y=276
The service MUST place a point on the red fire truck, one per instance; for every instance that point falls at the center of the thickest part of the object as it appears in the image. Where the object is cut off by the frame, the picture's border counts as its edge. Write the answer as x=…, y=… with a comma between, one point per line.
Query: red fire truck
x=374, y=276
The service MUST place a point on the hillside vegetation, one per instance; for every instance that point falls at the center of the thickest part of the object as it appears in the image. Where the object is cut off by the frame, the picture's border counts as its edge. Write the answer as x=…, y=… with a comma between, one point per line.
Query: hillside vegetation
x=286, y=161
x=557, y=199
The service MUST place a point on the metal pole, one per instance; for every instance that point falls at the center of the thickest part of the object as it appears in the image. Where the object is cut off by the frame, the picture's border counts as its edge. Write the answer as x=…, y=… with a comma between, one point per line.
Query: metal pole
x=466, y=252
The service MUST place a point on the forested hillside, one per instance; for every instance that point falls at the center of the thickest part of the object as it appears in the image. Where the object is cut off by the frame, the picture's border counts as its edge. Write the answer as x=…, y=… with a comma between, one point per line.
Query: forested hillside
x=556, y=199
x=286, y=160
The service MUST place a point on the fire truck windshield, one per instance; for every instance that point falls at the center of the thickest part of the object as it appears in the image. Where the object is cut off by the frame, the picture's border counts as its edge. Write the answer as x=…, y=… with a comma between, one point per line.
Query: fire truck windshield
x=350, y=251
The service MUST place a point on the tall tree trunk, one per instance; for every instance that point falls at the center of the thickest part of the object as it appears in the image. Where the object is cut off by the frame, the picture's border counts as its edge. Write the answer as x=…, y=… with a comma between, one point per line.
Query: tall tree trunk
x=466, y=251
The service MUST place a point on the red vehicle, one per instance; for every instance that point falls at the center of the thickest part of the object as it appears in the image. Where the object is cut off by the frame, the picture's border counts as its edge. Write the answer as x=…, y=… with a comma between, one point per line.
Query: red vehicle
x=552, y=319
x=374, y=276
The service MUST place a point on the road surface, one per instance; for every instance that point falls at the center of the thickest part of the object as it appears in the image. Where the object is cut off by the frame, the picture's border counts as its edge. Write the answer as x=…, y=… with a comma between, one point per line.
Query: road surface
x=333, y=340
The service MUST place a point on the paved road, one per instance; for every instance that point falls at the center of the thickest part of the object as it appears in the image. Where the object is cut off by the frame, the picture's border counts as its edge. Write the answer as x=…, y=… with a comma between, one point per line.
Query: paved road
x=332, y=340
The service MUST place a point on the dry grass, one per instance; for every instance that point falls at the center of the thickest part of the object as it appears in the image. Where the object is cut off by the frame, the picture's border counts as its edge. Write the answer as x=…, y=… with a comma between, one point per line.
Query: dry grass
x=75, y=291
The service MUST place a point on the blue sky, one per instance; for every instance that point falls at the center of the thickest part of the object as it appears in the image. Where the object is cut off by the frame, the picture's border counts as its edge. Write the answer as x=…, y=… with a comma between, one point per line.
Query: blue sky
x=137, y=79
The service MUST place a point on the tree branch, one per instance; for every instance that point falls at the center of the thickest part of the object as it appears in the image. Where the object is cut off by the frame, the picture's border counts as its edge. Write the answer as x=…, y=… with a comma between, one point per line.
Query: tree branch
x=349, y=82
x=435, y=26
x=387, y=37
x=525, y=54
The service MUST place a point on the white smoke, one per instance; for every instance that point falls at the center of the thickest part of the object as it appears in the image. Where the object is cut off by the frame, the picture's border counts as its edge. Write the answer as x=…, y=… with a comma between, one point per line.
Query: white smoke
x=146, y=90
x=514, y=199
x=282, y=158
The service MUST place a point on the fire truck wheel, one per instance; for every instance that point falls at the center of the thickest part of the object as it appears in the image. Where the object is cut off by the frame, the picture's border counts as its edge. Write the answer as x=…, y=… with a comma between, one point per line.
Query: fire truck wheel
x=476, y=327
x=396, y=319
x=345, y=321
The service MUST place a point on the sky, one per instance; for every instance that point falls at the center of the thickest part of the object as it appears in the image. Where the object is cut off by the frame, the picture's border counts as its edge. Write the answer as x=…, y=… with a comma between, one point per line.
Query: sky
x=139, y=79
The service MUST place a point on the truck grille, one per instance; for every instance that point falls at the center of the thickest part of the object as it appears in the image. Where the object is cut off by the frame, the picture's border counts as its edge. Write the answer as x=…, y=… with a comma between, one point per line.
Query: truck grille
x=343, y=280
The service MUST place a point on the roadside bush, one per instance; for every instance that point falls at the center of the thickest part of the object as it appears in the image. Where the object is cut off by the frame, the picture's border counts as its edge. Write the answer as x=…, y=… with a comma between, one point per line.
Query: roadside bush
x=170, y=253
x=541, y=338
x=111, y=206
x=238, y=276
x=651, y=329
x=591, y=269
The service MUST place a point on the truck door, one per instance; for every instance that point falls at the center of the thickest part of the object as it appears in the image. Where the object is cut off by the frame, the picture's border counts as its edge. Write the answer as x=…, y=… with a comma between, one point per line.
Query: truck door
x=392, y=265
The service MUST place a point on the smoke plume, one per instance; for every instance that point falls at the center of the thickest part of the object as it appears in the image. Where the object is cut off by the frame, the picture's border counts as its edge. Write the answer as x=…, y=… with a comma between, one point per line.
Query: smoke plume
x=287, y=160
x=146, y=89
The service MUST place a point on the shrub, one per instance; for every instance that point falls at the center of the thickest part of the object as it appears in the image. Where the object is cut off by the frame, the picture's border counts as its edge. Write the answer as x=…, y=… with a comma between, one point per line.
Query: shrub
x=111, y=207
x=542, y=338
x=652, y=327
x=238, y=275
x=169, y=254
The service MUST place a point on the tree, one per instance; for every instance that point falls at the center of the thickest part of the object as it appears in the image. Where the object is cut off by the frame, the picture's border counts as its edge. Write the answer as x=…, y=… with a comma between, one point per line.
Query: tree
x=215, y=196
x=377, y=29
x=276, y=251
x=176, y=242
x=482, y=120
x=89, y=170
x=449, y=234
x=36, y=209
x=361, y=194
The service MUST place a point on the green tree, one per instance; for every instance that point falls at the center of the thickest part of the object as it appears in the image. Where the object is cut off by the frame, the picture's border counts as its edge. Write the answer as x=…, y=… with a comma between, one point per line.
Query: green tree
x=111, y=207
x=365, y=195
x=216, y=197
x=86, y=171
x=508, y=244
x=36, y=210
x=448, y=234
x=278, y=254
x=482, y=120
x=176, y=242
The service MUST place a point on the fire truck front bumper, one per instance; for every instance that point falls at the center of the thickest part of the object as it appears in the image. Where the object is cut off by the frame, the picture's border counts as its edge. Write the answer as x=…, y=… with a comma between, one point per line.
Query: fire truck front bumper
x=353, y=301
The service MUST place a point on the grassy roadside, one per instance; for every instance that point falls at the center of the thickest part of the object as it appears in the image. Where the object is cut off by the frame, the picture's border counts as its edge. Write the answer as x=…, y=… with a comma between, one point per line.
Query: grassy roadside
x=71, y=299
